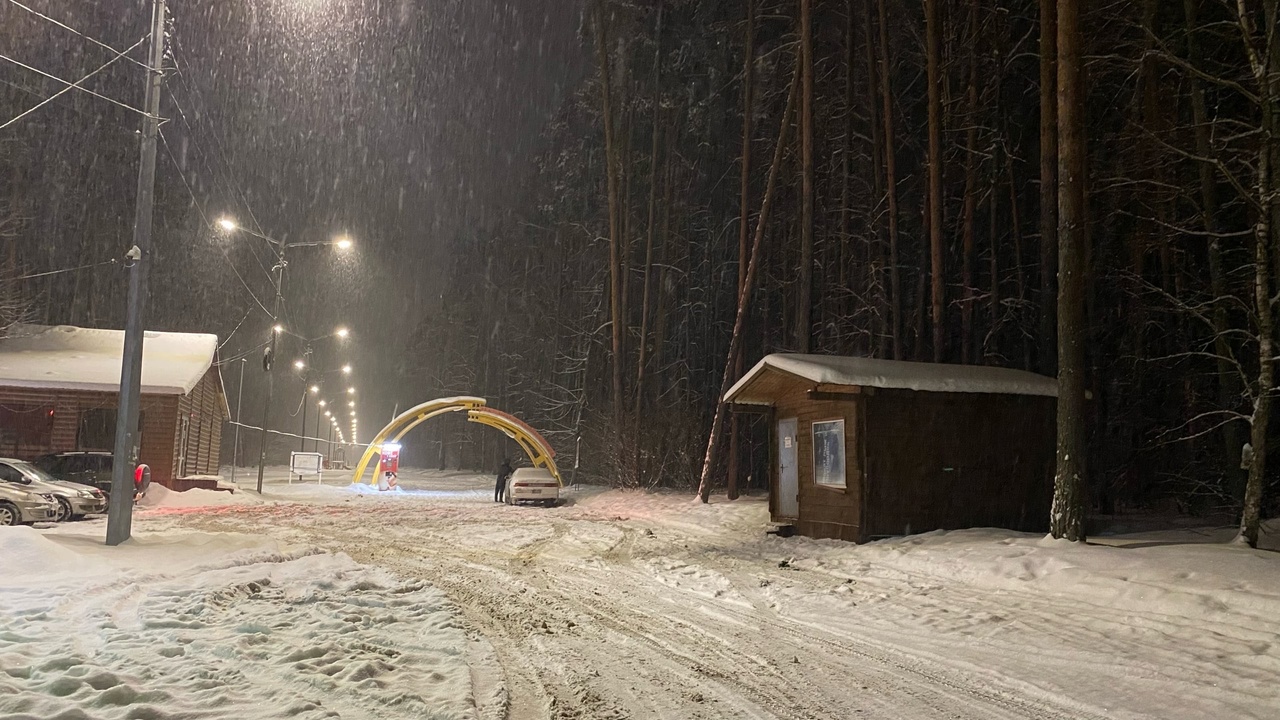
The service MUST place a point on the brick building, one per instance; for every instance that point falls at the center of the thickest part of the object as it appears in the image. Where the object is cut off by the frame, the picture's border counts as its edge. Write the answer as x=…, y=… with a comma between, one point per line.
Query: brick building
x=59, y=389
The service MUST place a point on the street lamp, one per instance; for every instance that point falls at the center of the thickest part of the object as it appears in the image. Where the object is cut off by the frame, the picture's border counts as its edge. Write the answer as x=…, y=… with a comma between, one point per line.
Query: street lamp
x=299, y=364
x=315, y=389
x=346, y=369
x=280, y=248
x=343, y=333
x=351, y=391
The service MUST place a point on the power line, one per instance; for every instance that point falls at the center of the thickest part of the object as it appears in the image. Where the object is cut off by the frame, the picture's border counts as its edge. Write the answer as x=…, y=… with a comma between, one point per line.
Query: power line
x=222, y=178
x=227, y=339
x=38, y=71
x=73, y=86
x=195, y=94
x=112, y=261
x=64, y=26
x=169, y=151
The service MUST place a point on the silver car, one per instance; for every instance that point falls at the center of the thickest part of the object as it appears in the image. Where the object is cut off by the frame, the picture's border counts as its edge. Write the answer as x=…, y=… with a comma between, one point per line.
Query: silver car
x=19, y=506
x=74, y=501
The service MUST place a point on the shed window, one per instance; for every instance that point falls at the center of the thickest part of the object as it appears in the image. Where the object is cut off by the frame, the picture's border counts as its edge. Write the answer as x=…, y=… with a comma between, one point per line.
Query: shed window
x=828, y=453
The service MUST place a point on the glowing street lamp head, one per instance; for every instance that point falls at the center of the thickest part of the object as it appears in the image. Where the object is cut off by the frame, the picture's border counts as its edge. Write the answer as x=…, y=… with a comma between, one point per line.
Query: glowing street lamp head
x=328, y=414
x=344, y=243
x=299, y=364
x=353, y=413
x=278, y=329
x=315, y=389
x=343, y=333
x=322, y=404
x=227, y=224
x=351, y=404
x=346, y=369
x=351, y=391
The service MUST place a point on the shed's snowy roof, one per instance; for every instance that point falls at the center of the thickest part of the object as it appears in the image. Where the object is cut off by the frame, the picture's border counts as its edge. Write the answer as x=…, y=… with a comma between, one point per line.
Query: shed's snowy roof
x=73, y=358
x=868, y=372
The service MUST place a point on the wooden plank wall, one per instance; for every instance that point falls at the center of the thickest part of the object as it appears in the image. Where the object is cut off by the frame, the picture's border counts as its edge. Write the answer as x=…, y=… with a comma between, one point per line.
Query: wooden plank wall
x=158, y=415
x=204, y=405
x=955, y=460
x=825, y=512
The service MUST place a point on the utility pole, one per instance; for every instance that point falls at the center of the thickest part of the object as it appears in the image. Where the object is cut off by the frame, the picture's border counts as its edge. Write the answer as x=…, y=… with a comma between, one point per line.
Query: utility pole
x=268, y=363
x=120, y=512
x=235, y=452
x=306, y=373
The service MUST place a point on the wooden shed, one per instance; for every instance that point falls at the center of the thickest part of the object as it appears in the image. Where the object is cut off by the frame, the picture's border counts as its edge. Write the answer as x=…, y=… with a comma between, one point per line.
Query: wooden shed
x=59, y=388
x=864, y=449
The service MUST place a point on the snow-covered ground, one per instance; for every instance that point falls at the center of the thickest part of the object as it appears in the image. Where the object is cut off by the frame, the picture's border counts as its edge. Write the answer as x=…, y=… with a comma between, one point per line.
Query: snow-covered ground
x=618, y=605
x=182, y=624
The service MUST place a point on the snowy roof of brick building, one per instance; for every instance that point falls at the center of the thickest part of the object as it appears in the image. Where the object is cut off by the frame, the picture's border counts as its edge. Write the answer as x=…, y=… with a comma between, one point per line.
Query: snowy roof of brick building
x=898, y=374
x=74, y=358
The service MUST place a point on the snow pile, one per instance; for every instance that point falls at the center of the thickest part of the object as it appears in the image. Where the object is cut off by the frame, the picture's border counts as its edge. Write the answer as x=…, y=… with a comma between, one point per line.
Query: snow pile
x=870, y=372
x=26, y=552
x=244, y=634
x=1200, y=582
x=75, y=358
x=159, y=496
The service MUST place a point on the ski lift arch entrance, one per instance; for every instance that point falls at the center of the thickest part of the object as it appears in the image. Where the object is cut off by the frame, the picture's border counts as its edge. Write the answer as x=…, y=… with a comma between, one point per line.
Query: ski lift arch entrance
x=531, y=442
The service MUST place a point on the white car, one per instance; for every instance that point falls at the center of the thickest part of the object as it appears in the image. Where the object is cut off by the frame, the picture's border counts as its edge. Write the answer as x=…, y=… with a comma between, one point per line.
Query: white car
x=535, y=485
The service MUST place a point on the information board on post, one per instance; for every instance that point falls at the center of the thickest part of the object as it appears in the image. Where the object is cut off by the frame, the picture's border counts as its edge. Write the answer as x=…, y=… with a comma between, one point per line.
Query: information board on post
x=305, y=463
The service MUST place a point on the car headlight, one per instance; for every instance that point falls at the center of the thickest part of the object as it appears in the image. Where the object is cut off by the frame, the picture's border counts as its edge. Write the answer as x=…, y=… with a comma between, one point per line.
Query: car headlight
x=48, y=497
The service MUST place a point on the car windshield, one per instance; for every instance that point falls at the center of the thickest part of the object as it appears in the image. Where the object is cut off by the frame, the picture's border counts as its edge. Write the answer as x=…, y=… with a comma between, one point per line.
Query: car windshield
x=34, y=472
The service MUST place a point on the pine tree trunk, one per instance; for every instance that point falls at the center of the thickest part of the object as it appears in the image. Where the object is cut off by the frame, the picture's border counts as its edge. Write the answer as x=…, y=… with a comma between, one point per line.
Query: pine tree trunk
x=970, y=193
x=891, y=181
x=748, y=108
x=744, y=297
x=648, y=243
x=875, y=267
x=1067, y=515
x=1048, y=183
x=804, y=301
x=1229, y=390
x=933, y=33
x=1266, y=69
x=611, y=170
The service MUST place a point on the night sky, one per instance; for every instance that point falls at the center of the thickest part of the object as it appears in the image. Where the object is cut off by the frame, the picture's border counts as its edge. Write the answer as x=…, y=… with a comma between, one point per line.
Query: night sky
x=405, y=124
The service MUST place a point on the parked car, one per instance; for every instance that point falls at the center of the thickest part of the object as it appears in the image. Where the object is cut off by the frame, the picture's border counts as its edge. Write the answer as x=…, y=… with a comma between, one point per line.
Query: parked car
x=74, y=501
x=20, y=505
x=536, y=485
x=84, y=467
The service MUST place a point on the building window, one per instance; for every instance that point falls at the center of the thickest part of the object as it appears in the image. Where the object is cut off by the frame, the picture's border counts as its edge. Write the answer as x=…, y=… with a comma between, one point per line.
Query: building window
x=25, y=425
x=828, y=453
x=97, y=429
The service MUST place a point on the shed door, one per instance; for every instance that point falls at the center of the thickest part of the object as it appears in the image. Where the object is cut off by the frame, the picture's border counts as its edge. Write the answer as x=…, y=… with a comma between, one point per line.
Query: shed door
x=788, y=484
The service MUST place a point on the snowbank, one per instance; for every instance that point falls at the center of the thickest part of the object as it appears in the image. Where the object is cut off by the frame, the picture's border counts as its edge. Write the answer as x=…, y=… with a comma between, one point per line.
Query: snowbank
x=252, y=633
x=159, y=496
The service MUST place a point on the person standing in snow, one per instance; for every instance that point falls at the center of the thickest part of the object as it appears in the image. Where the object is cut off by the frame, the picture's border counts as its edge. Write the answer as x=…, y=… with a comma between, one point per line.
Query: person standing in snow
x=504, y=472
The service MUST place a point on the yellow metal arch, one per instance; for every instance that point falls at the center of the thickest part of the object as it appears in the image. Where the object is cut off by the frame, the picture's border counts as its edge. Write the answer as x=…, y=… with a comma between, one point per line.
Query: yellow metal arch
x=409, y=419
x=533, y=445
